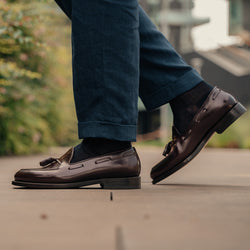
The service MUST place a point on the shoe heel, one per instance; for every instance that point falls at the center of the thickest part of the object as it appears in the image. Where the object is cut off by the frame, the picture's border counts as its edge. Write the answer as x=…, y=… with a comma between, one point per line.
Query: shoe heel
x=121, y=183
x=237, y=111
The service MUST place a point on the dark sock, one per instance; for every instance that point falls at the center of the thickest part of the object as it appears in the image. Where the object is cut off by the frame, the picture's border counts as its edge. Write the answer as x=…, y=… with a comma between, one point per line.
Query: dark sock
x=186, y=105
x=91, y=147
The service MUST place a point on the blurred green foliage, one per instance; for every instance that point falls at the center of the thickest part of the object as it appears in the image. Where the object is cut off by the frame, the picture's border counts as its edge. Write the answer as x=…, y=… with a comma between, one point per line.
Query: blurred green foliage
x=236, y=136
x=33, y=105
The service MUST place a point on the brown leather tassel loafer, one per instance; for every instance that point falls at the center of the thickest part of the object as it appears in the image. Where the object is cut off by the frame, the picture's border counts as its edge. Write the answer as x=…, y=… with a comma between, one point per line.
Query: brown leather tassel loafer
x=119, y=170
x=217, y=113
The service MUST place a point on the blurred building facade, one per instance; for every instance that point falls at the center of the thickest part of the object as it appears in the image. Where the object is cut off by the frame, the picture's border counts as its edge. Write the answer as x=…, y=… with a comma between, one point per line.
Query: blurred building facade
x=229, y=66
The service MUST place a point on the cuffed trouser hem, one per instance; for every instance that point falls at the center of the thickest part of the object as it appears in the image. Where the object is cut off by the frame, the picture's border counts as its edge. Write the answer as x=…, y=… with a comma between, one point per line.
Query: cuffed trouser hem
x=171, y=90
x=112, y=131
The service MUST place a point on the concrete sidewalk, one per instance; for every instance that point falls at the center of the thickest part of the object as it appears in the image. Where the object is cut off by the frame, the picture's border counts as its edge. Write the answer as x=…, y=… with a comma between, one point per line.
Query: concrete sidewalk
x=204, y=206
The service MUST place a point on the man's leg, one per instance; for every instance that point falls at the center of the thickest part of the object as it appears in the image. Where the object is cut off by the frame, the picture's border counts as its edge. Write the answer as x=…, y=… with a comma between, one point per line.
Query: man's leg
x=166, y=77
x=163, y=73
x=199, y=110
x=105, y=44
x=105, y=41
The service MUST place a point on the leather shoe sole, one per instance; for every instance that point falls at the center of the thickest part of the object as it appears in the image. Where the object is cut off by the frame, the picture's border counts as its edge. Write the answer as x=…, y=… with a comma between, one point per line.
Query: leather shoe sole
x=108, y=183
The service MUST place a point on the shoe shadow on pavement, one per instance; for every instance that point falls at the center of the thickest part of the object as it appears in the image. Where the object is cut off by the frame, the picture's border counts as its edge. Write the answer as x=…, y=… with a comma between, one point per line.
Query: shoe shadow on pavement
x=27, y=188
x=203, y=185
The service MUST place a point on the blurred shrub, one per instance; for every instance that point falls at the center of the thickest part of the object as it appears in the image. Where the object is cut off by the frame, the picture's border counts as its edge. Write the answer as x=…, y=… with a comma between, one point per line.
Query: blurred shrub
x=30, y=95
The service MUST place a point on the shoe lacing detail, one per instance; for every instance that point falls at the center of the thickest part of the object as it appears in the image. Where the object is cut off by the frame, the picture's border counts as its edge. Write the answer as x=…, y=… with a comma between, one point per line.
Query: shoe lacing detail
x=169, y=146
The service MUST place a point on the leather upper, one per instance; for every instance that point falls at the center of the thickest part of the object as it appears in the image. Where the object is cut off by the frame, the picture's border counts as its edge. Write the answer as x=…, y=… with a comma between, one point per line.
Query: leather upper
x=217, y=104
x=61, y=170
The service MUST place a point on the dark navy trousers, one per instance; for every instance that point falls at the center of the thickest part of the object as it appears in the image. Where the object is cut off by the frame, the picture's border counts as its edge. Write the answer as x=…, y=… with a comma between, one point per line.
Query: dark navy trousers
x=118, y=54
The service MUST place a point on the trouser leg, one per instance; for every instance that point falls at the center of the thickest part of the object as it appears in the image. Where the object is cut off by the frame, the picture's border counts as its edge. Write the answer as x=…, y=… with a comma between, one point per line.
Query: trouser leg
x=163, y=73
x=105, y=43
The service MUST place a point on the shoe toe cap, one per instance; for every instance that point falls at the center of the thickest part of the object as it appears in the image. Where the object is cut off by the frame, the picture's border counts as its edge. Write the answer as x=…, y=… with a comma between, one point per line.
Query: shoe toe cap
x=24, y=175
